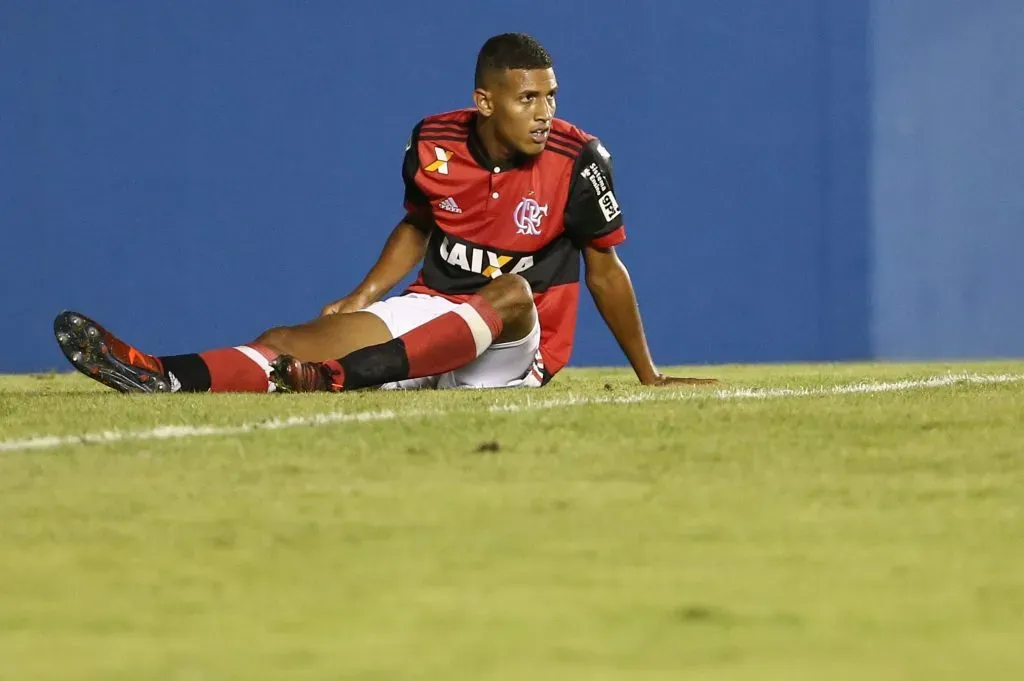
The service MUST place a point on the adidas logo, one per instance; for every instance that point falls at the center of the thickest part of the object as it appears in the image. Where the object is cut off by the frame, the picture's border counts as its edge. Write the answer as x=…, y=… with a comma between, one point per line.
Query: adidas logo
x=449, y=205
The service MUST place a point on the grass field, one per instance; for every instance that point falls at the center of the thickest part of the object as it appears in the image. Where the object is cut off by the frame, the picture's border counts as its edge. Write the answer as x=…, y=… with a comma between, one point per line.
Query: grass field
x=593, y=530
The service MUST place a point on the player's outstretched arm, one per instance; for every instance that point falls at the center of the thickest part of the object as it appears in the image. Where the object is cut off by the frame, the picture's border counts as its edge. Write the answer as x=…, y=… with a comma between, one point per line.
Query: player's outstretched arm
x=609, y=284
x=403, y=251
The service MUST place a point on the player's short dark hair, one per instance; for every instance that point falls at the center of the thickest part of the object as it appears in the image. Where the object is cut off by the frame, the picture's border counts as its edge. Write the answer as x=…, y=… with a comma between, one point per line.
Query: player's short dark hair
x=510, y=51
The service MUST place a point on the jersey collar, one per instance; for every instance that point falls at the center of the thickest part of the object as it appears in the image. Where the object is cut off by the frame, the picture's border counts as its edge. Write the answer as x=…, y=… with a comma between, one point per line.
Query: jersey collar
x=479, y=154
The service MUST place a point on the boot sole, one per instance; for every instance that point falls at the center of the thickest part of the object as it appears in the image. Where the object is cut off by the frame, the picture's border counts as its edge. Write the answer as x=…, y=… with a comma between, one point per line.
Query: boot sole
x=81, y=341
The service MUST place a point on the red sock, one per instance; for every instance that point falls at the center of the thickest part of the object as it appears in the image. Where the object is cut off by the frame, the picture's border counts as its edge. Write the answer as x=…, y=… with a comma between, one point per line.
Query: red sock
x=242, y=369
x=452, y=340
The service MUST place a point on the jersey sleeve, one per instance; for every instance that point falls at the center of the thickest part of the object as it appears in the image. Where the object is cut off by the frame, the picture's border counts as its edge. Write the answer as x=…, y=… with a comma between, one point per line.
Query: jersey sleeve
x=415, y=200
x=592, y=215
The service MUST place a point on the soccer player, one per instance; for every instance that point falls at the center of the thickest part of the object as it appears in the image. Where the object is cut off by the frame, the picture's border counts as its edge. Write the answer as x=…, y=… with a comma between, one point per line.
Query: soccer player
x=500, y=200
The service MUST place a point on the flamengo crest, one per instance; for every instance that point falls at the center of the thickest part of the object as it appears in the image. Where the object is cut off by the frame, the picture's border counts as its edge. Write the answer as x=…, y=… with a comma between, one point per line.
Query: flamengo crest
x=528, y=215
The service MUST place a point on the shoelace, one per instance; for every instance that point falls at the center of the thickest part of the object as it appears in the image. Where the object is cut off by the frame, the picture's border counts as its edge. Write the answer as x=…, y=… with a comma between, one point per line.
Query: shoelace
x=309, y=378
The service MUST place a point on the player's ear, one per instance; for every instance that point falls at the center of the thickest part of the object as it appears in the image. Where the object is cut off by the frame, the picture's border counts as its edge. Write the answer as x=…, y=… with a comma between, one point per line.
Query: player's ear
x=484, y=102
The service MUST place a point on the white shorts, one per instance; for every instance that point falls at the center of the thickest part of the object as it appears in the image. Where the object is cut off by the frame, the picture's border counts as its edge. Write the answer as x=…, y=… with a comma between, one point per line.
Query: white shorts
x=503, y=365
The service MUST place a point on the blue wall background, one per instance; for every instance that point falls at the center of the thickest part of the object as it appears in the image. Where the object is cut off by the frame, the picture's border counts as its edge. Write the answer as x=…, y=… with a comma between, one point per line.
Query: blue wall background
x=193, y=172
x=948, y=178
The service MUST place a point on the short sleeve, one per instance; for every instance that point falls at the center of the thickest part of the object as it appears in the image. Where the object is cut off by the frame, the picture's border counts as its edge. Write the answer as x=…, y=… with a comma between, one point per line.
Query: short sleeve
x=592, y=215
x=415, y=200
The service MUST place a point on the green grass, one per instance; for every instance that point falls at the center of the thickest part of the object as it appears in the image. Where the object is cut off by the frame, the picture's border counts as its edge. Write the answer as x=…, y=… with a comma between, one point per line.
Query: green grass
x=867, y=536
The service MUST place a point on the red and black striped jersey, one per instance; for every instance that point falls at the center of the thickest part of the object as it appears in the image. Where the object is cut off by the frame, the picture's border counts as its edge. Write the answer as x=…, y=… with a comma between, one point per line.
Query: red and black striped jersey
x=529, y=216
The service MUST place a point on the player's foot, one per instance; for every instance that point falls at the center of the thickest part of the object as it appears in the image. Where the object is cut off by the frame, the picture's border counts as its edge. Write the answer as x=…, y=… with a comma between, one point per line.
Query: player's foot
x=100, y=355
x=290, y=375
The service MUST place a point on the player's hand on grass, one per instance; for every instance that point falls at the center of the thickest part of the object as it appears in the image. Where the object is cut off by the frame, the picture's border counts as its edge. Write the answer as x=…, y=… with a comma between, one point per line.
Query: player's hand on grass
x=661, y=380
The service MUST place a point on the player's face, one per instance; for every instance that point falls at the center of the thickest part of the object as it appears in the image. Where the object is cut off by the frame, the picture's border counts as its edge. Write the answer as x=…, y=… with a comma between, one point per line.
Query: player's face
x=522, y=106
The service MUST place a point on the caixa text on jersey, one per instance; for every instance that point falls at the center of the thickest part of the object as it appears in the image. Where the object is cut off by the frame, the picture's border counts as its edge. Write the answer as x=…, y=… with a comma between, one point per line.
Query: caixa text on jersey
x=482, y=261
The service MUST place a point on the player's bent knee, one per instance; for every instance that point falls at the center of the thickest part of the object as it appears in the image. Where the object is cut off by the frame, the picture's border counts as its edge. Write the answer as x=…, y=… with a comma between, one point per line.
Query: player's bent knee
x=521, y=288
x=507, y=291
x=512, y=297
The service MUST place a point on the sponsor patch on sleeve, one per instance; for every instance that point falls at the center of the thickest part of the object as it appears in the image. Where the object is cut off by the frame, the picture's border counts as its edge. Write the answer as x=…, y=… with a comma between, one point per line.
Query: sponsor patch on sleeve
x=609, y=206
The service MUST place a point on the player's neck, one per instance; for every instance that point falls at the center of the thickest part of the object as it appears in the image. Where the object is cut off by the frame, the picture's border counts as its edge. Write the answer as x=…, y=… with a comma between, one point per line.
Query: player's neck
x=497, y=152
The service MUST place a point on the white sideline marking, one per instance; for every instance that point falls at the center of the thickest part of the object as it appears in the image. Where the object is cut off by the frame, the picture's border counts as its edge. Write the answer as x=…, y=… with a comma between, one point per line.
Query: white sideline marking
x=171, y=432
x=768, y=393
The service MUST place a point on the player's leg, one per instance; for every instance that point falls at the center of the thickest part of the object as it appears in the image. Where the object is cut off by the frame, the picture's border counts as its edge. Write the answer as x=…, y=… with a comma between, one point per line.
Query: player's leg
x=99, y=354
x=247, y=368
x=515, y=364
x=404, y=313
x=327, y=337
x=503, y=311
